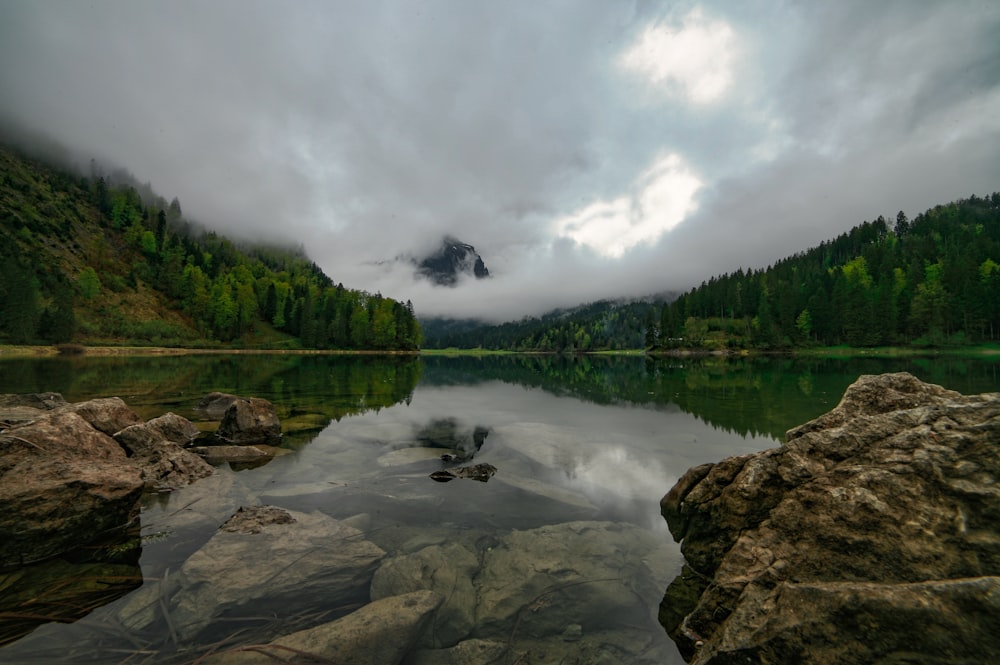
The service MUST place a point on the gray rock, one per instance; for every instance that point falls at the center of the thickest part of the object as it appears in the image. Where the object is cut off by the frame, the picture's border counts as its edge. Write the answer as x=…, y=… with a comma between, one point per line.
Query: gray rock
x=537, y=582
x=249, y=421
x=380, y=633
x=62, y=484
x=869, y=536
x=282, y=563
x=445, y=569
x=469, y=652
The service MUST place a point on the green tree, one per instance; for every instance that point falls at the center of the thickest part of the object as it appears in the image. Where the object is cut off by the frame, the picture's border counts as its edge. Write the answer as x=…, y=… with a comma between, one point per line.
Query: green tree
x=89, y=283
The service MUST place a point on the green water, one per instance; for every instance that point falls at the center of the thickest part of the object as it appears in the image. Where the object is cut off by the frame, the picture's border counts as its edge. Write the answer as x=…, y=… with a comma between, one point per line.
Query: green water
x=598, y=439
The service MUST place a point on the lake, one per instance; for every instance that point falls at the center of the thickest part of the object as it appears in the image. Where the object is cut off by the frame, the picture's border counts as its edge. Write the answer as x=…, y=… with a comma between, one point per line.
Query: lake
x=562, y=555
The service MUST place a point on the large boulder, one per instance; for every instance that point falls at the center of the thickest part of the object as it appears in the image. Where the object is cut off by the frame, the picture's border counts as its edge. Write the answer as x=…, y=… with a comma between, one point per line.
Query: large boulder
x=249, y=421
x=63, y=483
x=262, y=556
x=72, y=473
x=870, y=536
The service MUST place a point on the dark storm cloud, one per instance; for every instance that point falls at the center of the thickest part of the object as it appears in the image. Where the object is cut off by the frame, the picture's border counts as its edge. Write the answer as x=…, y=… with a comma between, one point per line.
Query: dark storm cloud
x=364, y=131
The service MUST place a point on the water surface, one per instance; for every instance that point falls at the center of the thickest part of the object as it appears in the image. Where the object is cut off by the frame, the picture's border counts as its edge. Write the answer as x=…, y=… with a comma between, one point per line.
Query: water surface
x=574, y=440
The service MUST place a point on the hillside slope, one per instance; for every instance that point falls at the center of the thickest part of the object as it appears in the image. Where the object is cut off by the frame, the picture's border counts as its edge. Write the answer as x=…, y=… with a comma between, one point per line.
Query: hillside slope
x=92, y=261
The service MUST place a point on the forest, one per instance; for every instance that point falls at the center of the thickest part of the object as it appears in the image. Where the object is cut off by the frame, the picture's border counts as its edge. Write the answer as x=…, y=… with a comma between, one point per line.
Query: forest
x=102, y=259
x=930, y=281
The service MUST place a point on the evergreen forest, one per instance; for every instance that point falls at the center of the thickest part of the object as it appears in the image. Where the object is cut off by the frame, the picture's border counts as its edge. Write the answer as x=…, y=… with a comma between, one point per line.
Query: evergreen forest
x=102, y=259
x=930, y=281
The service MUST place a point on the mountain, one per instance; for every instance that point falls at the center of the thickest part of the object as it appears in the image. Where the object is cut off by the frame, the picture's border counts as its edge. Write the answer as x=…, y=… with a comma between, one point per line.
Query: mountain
x=102, y=260
x=452, y=260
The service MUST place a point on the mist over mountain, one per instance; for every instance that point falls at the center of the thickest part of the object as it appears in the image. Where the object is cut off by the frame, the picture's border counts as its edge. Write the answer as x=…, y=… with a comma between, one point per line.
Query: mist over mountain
x=451, y=261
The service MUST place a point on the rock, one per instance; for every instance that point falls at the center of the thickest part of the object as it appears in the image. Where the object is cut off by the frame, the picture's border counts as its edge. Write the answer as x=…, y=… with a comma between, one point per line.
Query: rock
x=39, y=401
x=62, y=484
x=20, y=409
x=287, y=563
x=445, y=569
x=538, y=581
x=480, y=472
x=469, y=652
x=155, y=447
x=530, y=584
x=220, y=454
x=254, y=519
x=215, y=404
x=380, y=633
x=870, y=536
x=249, y=421
x=109, y=414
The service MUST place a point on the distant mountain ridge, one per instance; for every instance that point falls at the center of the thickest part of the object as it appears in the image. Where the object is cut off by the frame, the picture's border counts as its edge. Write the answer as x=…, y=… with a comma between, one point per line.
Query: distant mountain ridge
x=450, y=261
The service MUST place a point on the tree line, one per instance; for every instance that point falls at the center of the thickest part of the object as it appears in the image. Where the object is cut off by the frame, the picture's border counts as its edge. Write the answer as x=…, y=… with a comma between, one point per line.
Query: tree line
x=933, y=280
x=84, y=258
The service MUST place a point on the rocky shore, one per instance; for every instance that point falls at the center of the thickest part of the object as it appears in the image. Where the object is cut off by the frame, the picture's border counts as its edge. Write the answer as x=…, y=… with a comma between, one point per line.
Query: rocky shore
x=871, y=536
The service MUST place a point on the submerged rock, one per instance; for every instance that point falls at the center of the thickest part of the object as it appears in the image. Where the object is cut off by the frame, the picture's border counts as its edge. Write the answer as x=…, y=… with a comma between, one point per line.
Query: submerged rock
x=249, y=421
x=870, y=536
x=265, y=557
x=380, y=633
x=531, y=585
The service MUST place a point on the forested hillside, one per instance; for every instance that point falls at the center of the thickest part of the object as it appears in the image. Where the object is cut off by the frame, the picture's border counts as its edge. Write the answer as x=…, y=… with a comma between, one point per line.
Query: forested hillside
x=104, y=260
x=929, y=281
x=599, y=326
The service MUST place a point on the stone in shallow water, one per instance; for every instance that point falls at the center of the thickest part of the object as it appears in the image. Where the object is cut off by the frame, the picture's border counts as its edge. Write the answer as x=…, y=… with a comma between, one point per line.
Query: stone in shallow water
x=380, y=633
x=291, y=565
x=532, y=584
x=249, y=421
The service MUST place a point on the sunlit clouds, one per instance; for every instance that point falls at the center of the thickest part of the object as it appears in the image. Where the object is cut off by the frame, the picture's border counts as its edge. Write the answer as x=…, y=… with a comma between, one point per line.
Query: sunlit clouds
x=663, y=195
x=694, y=59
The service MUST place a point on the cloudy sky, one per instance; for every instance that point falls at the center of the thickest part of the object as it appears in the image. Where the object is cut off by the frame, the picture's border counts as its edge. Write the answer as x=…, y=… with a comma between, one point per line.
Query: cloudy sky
x=587, y=148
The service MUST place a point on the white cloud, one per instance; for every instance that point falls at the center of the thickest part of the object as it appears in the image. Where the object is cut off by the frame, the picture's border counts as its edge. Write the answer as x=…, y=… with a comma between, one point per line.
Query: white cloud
x=695, y=59
x=663, y=196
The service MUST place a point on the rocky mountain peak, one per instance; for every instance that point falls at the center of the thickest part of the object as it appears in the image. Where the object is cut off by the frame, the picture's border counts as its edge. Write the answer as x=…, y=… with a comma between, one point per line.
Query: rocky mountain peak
x=451, y=260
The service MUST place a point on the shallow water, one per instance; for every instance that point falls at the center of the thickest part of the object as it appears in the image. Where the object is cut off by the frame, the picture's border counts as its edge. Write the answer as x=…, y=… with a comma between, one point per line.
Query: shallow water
x=591, y=440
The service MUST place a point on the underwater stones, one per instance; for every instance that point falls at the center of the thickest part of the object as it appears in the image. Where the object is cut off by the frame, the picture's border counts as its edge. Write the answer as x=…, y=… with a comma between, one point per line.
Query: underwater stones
x=870, y=536
x=249, y=421
x=445, y=569
x=286, y=563
x=531, y=584
x=380, y=633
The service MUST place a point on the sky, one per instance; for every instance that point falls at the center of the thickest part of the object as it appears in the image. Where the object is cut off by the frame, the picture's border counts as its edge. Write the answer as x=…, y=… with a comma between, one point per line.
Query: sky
x=588, y=149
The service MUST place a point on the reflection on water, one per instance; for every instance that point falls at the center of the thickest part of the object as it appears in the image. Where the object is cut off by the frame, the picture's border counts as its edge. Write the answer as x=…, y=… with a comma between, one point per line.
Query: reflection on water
x=584, y=448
